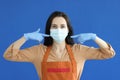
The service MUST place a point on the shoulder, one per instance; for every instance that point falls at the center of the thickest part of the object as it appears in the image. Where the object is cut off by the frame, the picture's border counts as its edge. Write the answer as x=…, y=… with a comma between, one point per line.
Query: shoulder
x=40, y=50
x=40, y=47
x=37, y=47
x=77, y=46
x=80, y=47
x=78, y=50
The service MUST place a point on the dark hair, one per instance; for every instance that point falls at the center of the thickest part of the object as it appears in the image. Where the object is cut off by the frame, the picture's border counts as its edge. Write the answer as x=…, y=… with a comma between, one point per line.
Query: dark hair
x=48, y=41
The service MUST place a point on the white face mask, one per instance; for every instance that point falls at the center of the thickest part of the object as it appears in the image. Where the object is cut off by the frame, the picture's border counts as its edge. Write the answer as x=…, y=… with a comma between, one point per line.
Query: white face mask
x=59, y=35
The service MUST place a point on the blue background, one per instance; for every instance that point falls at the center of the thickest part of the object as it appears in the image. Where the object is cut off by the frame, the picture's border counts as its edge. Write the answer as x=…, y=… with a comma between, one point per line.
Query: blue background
x=98, y=16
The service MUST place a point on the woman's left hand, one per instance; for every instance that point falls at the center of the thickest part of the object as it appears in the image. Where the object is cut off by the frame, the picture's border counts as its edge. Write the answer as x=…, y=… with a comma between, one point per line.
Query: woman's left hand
x=84, y=37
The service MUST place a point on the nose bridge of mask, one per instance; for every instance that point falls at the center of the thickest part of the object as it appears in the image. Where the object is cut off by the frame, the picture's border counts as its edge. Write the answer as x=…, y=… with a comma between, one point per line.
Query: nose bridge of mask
x=55, y=31
x=62, y=32
x=58, y=31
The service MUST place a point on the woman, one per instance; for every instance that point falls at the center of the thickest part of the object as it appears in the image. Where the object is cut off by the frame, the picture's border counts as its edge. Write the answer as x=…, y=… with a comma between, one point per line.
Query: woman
x=59, y=58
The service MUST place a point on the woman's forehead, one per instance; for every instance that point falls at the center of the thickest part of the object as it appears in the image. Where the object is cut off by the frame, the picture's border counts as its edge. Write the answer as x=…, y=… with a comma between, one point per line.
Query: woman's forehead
x=59, y=20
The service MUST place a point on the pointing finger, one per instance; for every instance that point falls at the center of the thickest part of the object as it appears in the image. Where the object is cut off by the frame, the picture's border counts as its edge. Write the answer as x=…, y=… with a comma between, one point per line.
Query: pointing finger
x=45, y=35
x=75, y=36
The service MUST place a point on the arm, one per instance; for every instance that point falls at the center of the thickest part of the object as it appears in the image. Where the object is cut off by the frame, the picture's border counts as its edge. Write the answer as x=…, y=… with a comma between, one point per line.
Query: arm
x=14, y=46
x=101, y=43
x=105, y=47
x=104, y=51
x=19, y=43
x=13, y=53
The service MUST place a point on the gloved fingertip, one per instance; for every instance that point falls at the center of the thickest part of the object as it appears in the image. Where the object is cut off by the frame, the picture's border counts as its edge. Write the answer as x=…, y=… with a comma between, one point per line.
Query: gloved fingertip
x=45, y=35
x=71, y=36
x=38, y=30
x=74, y=36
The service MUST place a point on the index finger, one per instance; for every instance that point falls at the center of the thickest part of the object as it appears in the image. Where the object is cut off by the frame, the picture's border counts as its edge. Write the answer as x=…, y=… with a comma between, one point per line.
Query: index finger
x=75, y=36
x=45, y=35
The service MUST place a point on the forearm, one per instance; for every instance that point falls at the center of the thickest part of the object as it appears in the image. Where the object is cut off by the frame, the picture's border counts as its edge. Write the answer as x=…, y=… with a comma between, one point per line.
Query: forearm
x=16, y=45
x=101, y=43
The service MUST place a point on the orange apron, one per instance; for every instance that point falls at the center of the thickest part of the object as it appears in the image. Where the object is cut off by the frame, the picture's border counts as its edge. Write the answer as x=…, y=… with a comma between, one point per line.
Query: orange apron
x=65, y=70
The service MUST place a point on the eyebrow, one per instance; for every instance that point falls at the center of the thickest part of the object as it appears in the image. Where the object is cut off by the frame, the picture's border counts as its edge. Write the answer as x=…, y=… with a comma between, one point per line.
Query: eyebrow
x=54, y=24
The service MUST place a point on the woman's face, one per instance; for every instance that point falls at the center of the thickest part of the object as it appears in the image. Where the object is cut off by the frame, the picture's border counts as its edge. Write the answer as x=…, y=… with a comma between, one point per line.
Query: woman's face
x=59, y=29
x=59, y=23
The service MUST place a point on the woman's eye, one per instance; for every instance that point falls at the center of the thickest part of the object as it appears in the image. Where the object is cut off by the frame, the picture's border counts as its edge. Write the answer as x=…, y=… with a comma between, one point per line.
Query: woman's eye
x=54, y=27
x=62, y=26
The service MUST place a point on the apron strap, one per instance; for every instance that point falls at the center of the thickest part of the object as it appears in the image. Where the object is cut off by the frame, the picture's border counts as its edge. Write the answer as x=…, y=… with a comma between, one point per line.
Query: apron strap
x=74, y=65
x=46, y=54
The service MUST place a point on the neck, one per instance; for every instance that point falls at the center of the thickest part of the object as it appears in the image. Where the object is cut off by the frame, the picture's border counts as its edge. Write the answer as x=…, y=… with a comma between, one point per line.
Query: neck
x=59, y=46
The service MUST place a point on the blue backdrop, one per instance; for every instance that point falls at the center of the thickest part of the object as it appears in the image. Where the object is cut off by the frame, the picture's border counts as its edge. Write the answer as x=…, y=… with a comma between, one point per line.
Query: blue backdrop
x=98, y=16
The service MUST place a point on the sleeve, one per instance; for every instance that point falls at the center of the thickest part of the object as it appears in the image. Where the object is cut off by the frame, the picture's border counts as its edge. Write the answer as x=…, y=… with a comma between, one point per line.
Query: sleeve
x=25, y=55
x=89, y=53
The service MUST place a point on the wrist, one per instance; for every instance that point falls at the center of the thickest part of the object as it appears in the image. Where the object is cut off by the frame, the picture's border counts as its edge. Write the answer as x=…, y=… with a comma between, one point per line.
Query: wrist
x=94, y=36
x=26, y=37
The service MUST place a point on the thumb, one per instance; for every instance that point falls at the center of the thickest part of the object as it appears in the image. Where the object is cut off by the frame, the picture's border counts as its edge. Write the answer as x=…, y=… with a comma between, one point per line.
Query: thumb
x=38, y=30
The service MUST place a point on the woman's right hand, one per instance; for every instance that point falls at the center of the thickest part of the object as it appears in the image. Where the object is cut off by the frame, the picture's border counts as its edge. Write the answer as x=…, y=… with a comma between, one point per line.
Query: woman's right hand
x=35, y=35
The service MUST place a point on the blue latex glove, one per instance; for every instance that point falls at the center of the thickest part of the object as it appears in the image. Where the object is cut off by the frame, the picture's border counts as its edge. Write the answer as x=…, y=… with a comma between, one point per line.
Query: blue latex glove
x=84, y=37
x=35, y=36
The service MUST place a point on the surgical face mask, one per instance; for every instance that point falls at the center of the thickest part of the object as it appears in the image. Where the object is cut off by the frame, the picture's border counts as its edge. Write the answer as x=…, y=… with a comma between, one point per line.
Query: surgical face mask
x=59, y=35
